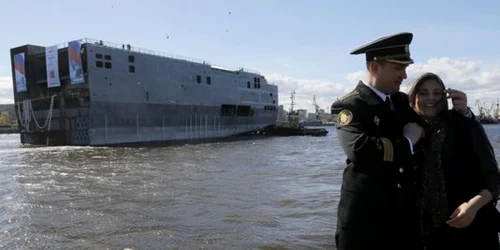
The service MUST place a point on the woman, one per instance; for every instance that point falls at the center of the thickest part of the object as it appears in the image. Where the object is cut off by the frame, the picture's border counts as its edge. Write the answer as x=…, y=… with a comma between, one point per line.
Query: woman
x=460, y=178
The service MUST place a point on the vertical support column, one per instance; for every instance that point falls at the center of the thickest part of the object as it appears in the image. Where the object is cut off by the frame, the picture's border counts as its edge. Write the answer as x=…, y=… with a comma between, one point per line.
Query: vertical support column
x=106, y=127
x=191, y=127
x=137, y=124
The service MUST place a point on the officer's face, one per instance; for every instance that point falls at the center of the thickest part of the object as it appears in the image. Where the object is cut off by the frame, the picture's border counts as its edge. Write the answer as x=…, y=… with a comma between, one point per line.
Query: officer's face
x=390, y=76
x=430, y=99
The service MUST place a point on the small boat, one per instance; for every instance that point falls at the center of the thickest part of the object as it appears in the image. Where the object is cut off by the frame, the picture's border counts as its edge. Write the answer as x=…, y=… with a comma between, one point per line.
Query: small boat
x=290, y=129
x=292, y=126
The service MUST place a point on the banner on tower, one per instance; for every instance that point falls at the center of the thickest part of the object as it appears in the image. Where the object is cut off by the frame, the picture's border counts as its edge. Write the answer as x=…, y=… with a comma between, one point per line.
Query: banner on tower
x=20, y=73
x=75, y=62
x=52, y=67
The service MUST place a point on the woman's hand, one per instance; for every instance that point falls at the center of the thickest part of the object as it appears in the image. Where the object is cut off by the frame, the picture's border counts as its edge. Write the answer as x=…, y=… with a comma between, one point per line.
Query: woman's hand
x=462, y=216
x=459, y=100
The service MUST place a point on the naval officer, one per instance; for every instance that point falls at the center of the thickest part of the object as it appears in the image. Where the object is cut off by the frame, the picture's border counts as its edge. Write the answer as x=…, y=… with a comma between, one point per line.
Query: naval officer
x=377, y=130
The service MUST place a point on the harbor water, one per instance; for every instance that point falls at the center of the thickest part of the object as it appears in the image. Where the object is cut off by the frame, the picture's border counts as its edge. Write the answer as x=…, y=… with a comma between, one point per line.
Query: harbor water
x=264, y=193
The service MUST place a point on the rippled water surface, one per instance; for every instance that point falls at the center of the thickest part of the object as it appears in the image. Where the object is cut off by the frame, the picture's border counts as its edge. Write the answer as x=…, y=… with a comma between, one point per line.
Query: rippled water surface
x=269, y=193
x=274, y=193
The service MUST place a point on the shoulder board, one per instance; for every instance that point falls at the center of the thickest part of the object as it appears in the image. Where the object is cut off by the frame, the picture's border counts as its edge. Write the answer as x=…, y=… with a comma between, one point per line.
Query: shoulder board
x=341, y=103
x=348, y=95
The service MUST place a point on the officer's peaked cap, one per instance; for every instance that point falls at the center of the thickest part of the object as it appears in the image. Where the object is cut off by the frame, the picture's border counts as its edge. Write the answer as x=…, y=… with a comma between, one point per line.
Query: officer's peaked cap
x=394, y=48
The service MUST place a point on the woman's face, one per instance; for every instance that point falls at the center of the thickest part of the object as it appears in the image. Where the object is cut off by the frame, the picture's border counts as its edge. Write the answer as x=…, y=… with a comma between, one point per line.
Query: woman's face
x=430, y=99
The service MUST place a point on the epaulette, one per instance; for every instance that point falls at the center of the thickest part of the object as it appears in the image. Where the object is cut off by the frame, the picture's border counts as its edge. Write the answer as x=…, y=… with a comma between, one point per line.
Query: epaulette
x=339, y=104
x=348, y=95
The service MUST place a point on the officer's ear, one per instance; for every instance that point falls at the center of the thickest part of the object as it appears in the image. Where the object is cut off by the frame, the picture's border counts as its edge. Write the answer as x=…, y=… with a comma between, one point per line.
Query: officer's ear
x=374, y=67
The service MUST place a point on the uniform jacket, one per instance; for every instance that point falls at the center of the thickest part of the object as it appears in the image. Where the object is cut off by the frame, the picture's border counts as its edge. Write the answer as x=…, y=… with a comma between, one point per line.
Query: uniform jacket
x=377, y=206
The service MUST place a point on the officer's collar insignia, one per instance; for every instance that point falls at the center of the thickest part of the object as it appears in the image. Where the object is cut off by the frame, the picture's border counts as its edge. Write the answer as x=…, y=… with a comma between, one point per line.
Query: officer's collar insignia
x=376, y=120
x=344, y=117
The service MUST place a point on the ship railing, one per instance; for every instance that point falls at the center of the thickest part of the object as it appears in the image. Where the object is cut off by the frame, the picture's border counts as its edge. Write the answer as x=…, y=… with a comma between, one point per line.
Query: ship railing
x=235, y=71
x=149, y=52
x=134, y=49
x=250, y=71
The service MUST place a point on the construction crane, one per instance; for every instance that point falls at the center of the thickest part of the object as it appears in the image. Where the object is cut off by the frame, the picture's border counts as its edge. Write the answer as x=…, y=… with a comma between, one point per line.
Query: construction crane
x=488, y=110
x=480, y=108
x=496, y=114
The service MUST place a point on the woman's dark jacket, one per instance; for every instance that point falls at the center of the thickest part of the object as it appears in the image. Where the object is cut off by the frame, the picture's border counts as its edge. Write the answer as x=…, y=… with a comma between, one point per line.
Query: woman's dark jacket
x=469, y=166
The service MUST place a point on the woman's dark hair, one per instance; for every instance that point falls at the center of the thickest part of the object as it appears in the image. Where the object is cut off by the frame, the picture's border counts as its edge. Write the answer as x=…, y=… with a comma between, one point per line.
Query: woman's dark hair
x=417, y=85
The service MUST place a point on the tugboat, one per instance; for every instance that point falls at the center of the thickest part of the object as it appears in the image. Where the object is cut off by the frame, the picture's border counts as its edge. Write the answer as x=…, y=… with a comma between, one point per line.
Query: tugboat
x=292, y=127
x=317, y=121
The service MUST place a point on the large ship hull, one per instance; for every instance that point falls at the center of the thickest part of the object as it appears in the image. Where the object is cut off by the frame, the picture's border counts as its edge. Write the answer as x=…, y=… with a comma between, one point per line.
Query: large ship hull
x=129, y=123
x=131, y=97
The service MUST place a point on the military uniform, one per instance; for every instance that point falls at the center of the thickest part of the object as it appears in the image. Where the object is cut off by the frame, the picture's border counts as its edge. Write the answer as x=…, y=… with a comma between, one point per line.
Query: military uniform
x=377, y=207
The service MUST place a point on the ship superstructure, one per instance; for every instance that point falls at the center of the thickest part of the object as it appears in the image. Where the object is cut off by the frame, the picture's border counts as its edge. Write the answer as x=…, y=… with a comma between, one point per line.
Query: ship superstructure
x=89, y=92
